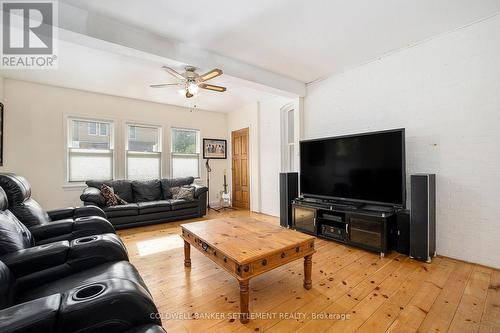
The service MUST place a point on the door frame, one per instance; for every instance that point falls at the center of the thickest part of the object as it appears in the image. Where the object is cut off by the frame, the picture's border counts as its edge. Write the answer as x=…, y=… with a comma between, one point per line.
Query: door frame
x=247, y=130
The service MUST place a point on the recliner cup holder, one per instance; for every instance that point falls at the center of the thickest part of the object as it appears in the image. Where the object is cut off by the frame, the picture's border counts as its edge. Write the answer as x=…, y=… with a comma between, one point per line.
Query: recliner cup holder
x=89, y=292
x=84, y=240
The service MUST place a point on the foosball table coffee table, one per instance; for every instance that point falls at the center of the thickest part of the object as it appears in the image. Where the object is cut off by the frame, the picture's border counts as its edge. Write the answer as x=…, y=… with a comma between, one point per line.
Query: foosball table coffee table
x=246, y=247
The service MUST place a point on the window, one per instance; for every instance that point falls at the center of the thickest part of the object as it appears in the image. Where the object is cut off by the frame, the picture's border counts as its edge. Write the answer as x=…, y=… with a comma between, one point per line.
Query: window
x=132, y=133
x=97, y=128
x=90, y=156
x=185, y=152
x=103, y=129
x=143, y=152
x=92, y=128
x=288, y=139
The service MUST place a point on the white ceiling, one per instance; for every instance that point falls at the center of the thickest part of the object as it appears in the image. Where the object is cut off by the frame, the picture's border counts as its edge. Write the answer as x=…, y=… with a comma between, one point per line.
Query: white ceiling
x=302, y=39
x=116, y=74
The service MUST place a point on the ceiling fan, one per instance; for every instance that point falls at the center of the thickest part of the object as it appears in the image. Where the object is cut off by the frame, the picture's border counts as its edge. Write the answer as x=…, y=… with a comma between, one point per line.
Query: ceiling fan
x=192, y=81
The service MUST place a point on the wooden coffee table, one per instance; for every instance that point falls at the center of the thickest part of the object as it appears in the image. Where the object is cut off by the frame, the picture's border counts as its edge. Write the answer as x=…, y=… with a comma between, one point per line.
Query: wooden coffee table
x=246, y=247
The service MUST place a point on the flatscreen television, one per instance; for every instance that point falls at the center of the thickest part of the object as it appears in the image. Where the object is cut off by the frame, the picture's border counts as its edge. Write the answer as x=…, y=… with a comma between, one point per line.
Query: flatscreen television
x=366, y=168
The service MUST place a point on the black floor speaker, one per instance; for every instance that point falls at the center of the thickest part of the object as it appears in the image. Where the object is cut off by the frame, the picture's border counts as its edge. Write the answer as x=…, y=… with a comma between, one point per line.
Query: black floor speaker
x=423, y=217
x=403, y=232
x=289, y=190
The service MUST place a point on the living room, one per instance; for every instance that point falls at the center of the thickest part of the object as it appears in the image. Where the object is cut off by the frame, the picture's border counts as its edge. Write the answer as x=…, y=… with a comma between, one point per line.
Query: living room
x=271, y=166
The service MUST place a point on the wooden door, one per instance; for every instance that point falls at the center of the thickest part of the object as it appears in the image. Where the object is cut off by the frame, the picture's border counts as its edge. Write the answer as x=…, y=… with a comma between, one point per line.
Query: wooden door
x=241, y=179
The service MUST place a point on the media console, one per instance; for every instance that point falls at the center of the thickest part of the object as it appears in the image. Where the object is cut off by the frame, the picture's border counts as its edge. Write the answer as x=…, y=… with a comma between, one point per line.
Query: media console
x=369, y=227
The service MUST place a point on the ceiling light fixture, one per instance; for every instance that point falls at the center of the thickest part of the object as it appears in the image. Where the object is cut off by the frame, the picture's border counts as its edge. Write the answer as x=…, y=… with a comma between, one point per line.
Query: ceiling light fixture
x=192, y=88
x=191, y=82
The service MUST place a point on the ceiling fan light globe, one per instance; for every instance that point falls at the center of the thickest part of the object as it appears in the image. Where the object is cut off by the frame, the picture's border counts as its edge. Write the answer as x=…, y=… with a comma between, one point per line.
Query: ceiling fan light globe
x=192, y=88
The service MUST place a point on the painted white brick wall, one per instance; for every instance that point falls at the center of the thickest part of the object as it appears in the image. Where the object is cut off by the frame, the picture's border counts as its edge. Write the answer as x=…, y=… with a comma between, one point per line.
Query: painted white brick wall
x=446, y=93
x=270, y=154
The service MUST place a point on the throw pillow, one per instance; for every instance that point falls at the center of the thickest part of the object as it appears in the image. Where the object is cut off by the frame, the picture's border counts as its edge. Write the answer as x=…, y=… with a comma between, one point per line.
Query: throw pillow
x=174, y=191
x=109, y=195
x=186, y=193
x=120, y=200
x=167, y=184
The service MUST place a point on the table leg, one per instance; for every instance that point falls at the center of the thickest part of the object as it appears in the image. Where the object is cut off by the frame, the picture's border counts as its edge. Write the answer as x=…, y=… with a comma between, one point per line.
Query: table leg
x=187, y=254
x=244, y=294
x=307, y=272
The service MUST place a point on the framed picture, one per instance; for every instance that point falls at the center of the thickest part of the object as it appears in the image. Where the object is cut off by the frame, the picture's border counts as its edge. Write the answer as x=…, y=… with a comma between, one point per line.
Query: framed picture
x=1, y=134
x=214, y=148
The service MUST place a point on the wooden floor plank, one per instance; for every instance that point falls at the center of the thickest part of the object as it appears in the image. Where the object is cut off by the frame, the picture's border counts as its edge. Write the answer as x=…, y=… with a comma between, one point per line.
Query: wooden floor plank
x=441, y=314
x=490, y=321
x=382, y=319
x=414, y=313
x=368, y=305
x=333, y=287
x=470, y=310
x=410, y=296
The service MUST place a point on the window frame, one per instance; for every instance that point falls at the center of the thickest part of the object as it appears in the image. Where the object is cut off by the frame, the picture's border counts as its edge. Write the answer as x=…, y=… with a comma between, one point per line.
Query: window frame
x=89, y=132
x=198, y=149
x=126, y=150
x=97, y=128
x=129, y=137
x=288, y=149
x=99, y=131
x=68, y=121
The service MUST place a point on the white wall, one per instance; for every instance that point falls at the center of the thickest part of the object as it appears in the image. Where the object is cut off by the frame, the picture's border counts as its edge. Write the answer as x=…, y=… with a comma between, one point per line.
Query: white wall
x=270, y=147
x=446, y=93
x=35, y=139
x=264, y=121
x=247, y=116
x=270, y=152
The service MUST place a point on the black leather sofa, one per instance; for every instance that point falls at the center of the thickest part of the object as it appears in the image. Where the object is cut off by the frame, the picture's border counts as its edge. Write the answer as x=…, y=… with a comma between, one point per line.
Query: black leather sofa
x=61, y=224
x=149, y=201
x=86, y=285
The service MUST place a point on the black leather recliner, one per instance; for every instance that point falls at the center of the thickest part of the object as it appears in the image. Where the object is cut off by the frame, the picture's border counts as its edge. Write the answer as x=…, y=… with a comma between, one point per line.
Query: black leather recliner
x=85, y=285
x=40, y=263
x=108, y=298
x=55, y=225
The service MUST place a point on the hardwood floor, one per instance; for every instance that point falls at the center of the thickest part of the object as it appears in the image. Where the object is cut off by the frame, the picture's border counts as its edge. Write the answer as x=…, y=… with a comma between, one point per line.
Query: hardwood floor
x=353, y=290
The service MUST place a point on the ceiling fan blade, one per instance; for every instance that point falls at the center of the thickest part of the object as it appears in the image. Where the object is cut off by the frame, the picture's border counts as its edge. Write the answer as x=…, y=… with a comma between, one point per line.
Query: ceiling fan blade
x=161, y=85
x=210, y=75
x=212, y=87
x=173, y=72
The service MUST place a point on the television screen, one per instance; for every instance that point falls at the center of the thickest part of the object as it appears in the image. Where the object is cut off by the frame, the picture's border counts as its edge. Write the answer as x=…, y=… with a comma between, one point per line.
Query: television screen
x=366, y=167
